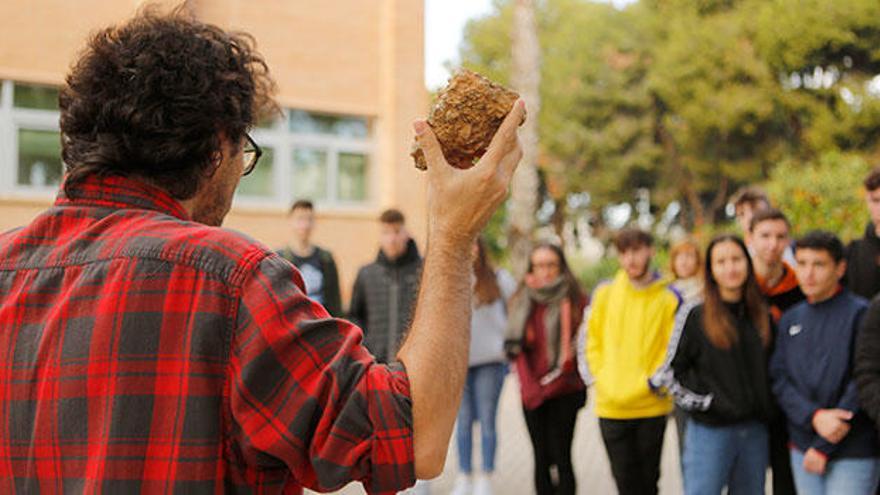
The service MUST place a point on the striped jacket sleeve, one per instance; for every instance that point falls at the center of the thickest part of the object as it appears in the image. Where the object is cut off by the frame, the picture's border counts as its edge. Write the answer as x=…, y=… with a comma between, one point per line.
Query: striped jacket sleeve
x=667, y=380
x=583, y=366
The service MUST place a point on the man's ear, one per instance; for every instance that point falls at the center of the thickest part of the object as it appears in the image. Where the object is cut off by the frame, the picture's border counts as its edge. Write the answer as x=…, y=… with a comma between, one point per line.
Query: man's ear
x=217, y=155
x=841, y=269
x=214, y=165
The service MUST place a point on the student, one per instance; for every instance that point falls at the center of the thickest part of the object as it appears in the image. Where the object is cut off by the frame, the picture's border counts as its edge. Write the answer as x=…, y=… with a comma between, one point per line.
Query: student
x=315, y=264
x=746, y=201
x=718, y=373
x=770, y=234
x=833, y=444
x=544, y=315
x=863, y=255
x=684, y=266
x=385, y=290
x=486, y=372
x=778, y=282
x=867, y=362
x=630, y=321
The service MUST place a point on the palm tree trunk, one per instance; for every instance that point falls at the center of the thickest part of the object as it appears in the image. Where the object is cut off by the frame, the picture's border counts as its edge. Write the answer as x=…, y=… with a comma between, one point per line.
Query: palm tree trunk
x=526, y=79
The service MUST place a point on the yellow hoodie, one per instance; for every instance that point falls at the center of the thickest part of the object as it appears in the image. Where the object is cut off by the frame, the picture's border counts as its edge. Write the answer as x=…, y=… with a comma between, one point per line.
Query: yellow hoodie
x=628, y=332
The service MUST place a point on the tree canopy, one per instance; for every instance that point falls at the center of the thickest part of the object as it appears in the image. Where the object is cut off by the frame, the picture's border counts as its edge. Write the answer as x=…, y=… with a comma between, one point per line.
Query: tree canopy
x=693, y=98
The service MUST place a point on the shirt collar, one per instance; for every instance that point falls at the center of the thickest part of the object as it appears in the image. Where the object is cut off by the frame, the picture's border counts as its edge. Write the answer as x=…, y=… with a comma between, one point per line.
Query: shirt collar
x=114, y=191
x=837, y=292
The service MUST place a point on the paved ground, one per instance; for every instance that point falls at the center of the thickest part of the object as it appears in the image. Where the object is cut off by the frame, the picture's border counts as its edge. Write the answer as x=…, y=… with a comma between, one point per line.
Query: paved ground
x=515, y=464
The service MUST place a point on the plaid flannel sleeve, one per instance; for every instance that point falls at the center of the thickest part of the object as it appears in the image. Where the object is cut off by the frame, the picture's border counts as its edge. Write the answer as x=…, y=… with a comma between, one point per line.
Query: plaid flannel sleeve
x=306, y=395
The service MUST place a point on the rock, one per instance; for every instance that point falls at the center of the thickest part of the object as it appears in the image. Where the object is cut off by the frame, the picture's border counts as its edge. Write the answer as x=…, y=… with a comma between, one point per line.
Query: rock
x=468, y=112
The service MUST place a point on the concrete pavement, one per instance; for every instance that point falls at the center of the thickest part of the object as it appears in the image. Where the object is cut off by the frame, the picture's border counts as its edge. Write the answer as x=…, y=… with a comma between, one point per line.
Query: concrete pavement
x=514, y=461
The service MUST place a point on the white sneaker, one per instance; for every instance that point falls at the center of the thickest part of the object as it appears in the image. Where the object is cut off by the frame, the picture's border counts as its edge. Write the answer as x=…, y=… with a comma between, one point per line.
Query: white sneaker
x=483, y=485
x=463, y=485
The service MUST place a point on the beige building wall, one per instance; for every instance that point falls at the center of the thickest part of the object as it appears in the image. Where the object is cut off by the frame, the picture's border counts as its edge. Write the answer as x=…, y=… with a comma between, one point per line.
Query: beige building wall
x=352, y=57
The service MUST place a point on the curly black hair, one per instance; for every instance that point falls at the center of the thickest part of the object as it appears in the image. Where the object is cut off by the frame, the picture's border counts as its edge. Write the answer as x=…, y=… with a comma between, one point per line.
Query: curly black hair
x=148, y=98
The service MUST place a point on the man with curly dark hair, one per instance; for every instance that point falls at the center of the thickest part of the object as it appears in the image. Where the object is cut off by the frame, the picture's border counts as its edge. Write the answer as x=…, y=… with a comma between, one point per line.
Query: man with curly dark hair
x=144, y=349
x=163, y=99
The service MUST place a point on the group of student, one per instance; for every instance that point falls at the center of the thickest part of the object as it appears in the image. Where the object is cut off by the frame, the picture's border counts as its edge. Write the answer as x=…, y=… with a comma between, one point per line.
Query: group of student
x=768, y=351
x=759, y=346
x=384, y=291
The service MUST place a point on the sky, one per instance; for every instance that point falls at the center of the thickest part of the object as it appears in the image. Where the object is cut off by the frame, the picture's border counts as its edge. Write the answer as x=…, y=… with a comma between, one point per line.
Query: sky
x=444, y=26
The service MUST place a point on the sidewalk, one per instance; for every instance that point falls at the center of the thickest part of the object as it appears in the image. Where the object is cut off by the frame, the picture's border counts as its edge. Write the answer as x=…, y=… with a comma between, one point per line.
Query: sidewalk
x=514, y=458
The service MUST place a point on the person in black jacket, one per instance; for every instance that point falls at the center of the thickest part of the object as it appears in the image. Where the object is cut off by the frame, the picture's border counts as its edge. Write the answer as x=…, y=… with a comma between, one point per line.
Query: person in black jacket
x=863, y=255
x=717, y=371
x=833, y=445
x=778, y=283
x=385, y=290
x=317, y=266
x=867, y=362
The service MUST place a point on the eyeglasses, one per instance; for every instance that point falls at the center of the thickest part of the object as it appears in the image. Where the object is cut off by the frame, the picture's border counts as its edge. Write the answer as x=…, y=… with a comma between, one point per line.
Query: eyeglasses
x=252, y=153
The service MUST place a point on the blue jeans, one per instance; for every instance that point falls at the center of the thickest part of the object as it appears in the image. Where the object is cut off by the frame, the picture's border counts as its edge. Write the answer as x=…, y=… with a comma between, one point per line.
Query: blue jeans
x=734, y=456
x=849, y=476
x=479, y=403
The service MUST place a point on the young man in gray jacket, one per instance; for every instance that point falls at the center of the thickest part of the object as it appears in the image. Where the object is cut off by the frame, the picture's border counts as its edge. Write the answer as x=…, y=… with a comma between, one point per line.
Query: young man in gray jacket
x=385, y=290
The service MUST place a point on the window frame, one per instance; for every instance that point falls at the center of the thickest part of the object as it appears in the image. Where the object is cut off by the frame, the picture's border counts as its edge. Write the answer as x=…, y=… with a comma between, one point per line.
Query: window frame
x=278, y=137
x=12, y=120
x=284, y=142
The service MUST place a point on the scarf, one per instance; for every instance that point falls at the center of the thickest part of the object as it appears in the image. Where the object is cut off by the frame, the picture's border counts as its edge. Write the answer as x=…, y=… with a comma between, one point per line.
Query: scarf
x=557, y=320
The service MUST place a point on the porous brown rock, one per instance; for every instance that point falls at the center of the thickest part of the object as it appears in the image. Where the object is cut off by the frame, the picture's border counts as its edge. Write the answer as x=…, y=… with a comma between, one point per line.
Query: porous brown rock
x=468, y=112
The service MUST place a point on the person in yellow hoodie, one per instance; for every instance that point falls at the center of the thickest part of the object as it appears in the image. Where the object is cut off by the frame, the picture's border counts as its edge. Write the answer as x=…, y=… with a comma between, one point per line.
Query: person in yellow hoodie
x=628, y=329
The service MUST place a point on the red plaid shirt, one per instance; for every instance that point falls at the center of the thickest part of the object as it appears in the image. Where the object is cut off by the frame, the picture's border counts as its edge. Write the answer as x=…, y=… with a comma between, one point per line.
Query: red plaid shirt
x=142, y=352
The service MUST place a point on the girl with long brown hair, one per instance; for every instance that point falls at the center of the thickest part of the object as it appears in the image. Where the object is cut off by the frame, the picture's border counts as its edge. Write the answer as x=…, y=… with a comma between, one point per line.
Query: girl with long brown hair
x=544, y=316
x=486, y=372
x=718, y=373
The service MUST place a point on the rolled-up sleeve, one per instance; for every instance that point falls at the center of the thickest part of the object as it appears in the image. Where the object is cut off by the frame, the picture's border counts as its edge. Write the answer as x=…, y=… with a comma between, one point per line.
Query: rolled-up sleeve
x=306, y=396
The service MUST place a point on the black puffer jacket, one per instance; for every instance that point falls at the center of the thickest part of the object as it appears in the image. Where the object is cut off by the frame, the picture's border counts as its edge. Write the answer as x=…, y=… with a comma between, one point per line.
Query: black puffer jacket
x=383, y=298
x=863, y=264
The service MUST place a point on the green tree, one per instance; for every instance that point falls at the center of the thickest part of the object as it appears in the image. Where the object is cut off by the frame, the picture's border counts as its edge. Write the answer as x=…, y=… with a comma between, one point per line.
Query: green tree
x=693, y=98
x=826, y=193
x=722, y=116
x=596, y=127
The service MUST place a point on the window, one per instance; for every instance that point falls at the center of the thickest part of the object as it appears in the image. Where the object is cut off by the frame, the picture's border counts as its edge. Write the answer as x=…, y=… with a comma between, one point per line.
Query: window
x=303, y=122
x=39, y=158
x=352, y=183
x=260, y=182
x=322, y=157
x=309, y=178
x=38, y=97
x=30, y=142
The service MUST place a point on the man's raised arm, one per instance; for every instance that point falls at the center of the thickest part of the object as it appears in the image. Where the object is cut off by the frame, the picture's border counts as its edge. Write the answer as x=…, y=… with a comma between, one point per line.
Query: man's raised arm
x=435, y=353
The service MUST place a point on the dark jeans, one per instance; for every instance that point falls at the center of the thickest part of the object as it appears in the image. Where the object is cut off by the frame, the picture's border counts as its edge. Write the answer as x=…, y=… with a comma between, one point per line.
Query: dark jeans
x=634, y=447
x=780, y=459
x=551, y=428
